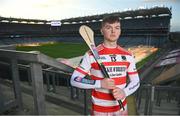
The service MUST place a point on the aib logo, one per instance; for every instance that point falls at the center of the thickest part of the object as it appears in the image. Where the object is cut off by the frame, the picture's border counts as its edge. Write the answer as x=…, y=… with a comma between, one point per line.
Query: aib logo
x=113, y=58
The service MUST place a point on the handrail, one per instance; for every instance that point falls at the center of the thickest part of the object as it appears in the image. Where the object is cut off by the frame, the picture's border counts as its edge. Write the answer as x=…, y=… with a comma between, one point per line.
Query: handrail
x=35, y=60
x=153, y=95
x=35, y=56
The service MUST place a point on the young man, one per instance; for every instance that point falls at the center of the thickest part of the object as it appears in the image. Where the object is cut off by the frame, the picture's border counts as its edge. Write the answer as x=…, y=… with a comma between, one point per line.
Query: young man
x=119, y=64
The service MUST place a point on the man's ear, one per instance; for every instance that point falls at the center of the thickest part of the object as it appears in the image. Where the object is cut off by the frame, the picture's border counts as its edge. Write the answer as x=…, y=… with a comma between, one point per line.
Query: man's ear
x=101, y=32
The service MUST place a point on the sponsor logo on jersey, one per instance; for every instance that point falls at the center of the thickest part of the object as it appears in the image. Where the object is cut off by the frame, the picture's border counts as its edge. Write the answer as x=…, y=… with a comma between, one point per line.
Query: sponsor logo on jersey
x=135, y=85
x=102, y=57
x=116, y=69
x=115, y=74
x=85, y=81
x=78, y=79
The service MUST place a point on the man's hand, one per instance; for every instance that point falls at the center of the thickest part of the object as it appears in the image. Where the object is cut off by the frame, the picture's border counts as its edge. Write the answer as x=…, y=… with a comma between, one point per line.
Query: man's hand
x=107, y=83
x=118, y=93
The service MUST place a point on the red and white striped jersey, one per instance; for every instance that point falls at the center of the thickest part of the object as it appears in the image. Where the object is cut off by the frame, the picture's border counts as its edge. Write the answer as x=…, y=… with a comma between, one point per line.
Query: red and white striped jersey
x=119, y=63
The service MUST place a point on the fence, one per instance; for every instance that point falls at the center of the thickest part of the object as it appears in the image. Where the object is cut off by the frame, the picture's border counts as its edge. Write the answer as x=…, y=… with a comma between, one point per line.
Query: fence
x=153, y=96
x=35, y=61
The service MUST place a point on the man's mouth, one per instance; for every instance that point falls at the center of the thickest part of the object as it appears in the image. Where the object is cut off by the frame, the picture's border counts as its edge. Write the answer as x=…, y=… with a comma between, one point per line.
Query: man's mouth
x=113, y=35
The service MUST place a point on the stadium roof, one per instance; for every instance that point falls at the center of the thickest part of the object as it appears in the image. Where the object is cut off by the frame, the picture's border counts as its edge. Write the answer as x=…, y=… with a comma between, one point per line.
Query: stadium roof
x=22, y=20
x=156, y=11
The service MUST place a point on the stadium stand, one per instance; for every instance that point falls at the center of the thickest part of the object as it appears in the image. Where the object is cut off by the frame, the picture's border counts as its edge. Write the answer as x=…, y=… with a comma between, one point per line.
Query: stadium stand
x=152, y=24
x=141, y=33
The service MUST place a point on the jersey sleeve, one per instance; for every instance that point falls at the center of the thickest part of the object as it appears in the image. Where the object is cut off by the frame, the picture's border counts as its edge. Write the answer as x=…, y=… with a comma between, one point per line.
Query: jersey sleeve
x=132, y=66
x=77, y=78
x=134, y=83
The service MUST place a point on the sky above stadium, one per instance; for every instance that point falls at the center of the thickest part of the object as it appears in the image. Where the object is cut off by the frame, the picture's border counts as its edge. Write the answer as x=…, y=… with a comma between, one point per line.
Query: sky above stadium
x=61, y=9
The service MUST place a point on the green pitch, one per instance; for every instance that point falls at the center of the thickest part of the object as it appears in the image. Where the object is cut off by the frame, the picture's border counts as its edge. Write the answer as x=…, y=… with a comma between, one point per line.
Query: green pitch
x=58, y=50
x=67, y=50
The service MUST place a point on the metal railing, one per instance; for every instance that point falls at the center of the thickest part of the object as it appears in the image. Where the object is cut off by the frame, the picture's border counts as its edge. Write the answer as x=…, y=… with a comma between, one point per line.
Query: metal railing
x=153, y=96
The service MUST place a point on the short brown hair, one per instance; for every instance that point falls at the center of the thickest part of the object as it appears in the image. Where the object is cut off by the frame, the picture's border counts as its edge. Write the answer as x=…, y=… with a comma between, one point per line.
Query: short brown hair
x=110, y=19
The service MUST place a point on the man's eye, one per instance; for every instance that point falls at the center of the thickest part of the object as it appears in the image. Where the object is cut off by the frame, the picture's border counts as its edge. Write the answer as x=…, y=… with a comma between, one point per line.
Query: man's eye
x=117, y=27
x=108, y=27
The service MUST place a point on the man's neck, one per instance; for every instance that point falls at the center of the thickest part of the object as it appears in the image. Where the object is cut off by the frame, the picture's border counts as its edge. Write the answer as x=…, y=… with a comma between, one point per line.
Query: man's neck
x=110, y=44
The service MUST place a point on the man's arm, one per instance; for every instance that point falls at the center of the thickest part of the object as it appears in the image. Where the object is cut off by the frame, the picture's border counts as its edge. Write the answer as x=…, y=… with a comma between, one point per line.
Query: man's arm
x=120, y=94
x=79, y=81
x=77, y=78
x=134, y=83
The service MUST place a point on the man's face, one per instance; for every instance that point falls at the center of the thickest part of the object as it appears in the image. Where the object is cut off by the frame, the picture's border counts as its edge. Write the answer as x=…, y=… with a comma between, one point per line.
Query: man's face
x=111, y=32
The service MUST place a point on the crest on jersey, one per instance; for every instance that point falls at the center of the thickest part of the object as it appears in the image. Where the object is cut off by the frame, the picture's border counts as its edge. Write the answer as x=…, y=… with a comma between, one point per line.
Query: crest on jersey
x=123, y=58
x=113, y=58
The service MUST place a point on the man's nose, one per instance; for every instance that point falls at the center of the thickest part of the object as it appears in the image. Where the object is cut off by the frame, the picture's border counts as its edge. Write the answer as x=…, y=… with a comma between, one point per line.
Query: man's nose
x=112, y=30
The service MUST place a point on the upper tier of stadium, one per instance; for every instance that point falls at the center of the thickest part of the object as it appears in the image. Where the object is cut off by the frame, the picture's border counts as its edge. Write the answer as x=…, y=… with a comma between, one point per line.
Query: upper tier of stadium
x=139, y=13
x=152, y=24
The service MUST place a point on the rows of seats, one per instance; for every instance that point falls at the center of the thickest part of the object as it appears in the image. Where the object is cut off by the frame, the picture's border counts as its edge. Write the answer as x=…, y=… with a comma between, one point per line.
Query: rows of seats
x=124, y=41
x=136, y=24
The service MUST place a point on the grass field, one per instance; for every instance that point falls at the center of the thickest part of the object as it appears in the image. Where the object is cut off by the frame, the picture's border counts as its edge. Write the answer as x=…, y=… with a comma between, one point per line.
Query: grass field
x=58, y=50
